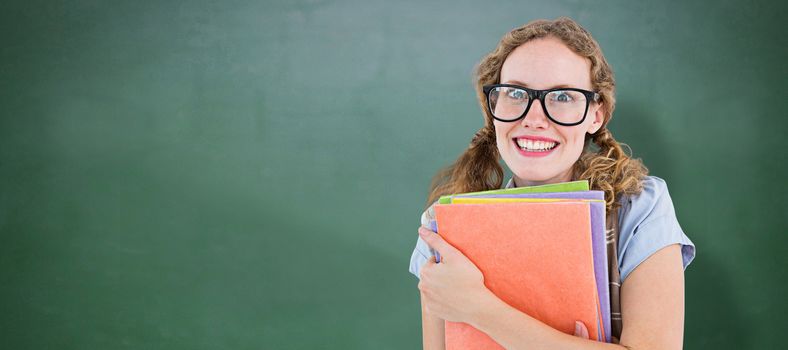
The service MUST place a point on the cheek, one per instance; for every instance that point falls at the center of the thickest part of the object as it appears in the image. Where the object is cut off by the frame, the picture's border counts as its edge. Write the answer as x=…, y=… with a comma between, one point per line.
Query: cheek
x=573, y=140
x=575, y=144
x=571, y=134
x=577, y=138
x=501, y=132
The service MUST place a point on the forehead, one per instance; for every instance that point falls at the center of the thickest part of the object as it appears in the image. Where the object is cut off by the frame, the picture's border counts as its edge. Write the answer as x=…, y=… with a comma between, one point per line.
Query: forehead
x=546, y=63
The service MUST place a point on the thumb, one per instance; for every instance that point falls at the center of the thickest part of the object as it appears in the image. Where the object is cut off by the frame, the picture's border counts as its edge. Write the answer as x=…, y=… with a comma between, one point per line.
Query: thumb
x=581, y=330
x=435, y=241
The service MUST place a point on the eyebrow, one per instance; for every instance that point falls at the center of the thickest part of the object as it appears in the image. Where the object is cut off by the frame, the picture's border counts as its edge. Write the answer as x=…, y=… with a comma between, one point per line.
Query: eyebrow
x=517, y=82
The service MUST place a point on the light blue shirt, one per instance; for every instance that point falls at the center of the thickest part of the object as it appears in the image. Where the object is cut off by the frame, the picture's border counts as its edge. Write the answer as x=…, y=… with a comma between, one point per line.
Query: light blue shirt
x=647, y=223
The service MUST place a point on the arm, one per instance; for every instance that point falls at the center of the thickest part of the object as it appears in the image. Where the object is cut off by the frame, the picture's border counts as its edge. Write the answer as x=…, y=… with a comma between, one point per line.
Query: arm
x=432, y=329
x=652, y=301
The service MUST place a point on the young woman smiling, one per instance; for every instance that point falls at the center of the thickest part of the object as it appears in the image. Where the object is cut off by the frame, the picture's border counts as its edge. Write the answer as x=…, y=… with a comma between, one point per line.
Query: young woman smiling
x=547, y=94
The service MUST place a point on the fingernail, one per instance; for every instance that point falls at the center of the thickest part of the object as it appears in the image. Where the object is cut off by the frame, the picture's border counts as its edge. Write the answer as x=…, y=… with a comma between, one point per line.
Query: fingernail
x=577, y=327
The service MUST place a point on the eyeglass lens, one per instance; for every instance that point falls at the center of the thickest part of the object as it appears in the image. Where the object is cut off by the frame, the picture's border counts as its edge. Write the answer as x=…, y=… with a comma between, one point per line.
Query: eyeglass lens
x=565, y=106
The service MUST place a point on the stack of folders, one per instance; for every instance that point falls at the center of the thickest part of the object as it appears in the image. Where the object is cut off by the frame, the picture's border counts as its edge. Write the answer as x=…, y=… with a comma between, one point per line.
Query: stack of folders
x=542, y=251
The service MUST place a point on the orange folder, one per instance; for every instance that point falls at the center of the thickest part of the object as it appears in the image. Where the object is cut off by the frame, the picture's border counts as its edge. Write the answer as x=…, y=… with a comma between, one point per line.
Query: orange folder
x=536, y=257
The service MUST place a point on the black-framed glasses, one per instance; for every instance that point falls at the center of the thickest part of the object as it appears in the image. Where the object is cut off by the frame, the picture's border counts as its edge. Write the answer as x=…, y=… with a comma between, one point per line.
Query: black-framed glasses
x=564, y=106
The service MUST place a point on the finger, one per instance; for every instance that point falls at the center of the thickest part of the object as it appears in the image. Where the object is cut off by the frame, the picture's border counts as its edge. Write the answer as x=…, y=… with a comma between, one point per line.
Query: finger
x=435, y=241
x=581, y=330
x=436, y=258
x=426, y=229
x=426, y=267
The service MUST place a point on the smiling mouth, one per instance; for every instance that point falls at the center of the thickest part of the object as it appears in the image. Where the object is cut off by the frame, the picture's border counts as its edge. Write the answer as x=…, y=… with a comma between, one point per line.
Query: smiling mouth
x=535, y=146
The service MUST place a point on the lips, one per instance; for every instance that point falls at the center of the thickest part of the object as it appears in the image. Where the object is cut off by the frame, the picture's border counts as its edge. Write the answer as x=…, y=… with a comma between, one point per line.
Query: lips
x=535, y=146
x=534, y=138
x=535, y=143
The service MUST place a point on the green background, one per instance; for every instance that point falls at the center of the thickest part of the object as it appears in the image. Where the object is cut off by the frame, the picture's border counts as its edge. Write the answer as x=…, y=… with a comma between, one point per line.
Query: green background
x=250, y=175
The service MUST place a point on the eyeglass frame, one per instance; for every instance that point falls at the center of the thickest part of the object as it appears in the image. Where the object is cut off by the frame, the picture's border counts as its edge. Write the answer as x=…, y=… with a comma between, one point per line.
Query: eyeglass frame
x=533, y=95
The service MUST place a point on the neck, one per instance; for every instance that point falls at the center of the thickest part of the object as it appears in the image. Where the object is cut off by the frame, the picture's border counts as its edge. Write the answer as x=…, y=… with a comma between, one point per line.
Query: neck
x=564, y=177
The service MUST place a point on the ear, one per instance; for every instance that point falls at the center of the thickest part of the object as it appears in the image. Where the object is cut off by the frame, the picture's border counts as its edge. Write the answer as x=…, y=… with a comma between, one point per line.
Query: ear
x=598, y=118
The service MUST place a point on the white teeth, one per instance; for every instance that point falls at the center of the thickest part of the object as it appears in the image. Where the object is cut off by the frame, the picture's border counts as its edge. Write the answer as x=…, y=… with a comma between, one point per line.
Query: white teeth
x=535, y=145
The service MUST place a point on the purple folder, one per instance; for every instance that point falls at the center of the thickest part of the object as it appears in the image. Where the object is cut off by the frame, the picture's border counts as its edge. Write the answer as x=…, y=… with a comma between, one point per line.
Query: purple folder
x=598, y=239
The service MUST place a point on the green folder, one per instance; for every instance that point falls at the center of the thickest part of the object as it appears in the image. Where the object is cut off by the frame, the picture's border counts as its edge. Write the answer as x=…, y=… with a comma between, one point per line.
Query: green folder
x=572, y=186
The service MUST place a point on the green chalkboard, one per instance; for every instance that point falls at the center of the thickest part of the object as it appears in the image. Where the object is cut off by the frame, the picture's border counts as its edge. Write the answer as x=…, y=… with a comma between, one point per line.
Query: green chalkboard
x=209, y=174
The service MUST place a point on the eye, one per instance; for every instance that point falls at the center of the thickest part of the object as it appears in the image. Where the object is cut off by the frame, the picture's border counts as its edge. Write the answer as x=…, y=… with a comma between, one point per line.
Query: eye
x=516, y=94
x=565, y=96
x=562, y=96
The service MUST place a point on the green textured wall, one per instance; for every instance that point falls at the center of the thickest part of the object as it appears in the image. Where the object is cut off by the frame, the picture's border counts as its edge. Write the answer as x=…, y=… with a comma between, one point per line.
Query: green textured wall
x=248, y=175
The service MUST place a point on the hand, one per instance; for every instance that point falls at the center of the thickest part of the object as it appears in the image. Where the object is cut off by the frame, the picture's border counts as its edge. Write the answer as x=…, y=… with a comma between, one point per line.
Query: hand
x=453, y=289
x=581, y=330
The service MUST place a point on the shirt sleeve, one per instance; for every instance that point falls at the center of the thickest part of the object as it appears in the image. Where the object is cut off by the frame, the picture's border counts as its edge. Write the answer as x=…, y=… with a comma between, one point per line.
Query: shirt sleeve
x=422, y=252
x=648, y=223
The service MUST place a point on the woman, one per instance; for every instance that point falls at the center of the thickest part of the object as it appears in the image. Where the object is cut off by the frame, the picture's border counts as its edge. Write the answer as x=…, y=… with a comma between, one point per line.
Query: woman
x=547, y=94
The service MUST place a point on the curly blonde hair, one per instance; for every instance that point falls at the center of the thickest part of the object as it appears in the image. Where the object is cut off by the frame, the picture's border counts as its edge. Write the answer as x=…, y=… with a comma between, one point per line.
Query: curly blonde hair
x=607, y=167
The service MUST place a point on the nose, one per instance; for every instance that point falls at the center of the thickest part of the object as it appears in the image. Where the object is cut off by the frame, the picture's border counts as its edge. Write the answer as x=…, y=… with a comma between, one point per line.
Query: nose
x=536, y=117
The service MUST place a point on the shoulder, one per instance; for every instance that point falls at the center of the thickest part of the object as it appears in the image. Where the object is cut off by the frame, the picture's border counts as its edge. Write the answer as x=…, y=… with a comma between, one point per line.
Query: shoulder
x=648, y=223
x=654, y=199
